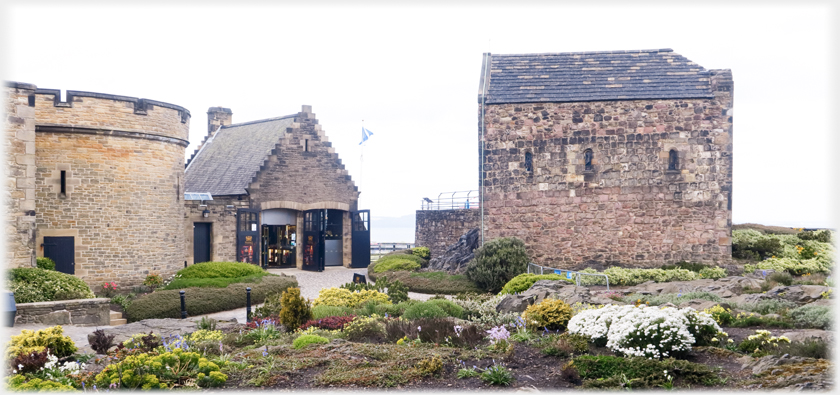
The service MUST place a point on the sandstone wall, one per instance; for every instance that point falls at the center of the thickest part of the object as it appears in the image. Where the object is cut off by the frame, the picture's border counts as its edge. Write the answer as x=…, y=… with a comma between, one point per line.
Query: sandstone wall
x=81, y=312
x=20, y=174
x=124, y=164
x=629, y=209
x=438, y=229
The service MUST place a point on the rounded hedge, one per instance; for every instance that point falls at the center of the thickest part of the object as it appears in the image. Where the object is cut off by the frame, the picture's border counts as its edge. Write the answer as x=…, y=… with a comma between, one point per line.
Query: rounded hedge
x=167, y=303
x=451, y=309
x=424, y=310
x=305, y=340
x=220, y=270
x=522, y=282
x=397, y=262
x=497, y=262
x=32, y=284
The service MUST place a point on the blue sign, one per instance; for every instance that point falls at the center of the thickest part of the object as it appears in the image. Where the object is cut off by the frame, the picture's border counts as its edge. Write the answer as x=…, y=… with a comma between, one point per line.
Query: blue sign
x=560, y=272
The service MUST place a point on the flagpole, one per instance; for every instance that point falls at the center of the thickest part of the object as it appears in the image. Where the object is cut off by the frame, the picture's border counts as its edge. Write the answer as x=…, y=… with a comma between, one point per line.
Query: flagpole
x=361, y=163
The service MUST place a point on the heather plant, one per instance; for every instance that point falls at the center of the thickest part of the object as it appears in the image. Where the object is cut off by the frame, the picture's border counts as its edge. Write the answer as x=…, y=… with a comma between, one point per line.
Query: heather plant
x=323, y=311
x=497, y=262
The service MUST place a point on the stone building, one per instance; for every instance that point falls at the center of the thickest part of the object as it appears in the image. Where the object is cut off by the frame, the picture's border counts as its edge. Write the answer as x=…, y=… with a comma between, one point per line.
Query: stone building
x=607, y=158
x=272, y=192
x=94, y=182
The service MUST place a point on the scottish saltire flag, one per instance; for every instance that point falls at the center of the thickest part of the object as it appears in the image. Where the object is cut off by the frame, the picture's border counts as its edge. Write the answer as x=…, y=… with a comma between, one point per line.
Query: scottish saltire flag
x=365, y=134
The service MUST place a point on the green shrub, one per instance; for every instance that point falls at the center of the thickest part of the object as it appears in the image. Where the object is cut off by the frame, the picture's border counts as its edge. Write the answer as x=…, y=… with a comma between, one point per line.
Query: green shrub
x=153, y=281
x=783, y=278
x=752, y=244
x=713, y=273
x=220, y=270
x=305, y=340
x=639, y=372
x=429, y=366
x=768, y=306
x=345, y=298
x=551, y=314
x=398, y=262
x=365, y=329
x=200, y=301
x=148, y=371
x=811, y=348
x=762, y=342
x=823, y=236
x=422, y=252
x=295, y=311
x=497, y=375
x=19, y=383
x=396, y=290
x=522, y=282
x=812, y=317
x=52, y=338
x=497, y=262
x=322, y=311
x=44, y=263
x=270, y=307
x=451, y=309
x=217, y=282
x=431, y=282
x=32, y=284
x=424, y=310
x=676, y=299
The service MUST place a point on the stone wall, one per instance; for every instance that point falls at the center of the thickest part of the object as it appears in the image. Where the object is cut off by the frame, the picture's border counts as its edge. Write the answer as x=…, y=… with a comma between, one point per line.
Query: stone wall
x=20, y=174
x=81, y=312
x=438, y=229
x=628, y=209
x=223, y=228
x=124, y=163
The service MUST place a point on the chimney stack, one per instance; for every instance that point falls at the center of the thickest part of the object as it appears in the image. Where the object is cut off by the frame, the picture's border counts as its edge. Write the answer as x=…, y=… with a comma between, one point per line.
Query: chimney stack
x=218, y=116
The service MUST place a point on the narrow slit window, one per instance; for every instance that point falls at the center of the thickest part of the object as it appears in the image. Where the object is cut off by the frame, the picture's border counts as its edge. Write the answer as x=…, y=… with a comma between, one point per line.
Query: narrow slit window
x=673, y=160
x=63, y=184
x=529, y=162
x=306, y=145
x=587, y=160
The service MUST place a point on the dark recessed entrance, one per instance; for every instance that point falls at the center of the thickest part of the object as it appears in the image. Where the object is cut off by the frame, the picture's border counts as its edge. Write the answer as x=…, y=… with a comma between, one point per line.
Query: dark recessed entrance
x=279, y=242
x=62, y=251
x=201, y=241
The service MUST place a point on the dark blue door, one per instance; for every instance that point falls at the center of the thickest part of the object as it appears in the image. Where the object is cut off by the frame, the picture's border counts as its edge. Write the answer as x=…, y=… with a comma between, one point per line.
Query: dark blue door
x=62, y=251
x=361, y=238
x=201, y=242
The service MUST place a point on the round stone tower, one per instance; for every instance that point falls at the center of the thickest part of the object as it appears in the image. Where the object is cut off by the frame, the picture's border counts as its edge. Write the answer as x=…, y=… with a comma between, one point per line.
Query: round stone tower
x=109, y=185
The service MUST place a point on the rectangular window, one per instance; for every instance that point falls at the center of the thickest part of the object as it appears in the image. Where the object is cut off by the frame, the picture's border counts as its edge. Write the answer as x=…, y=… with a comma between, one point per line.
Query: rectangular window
x=306, y=145
x=63, y=184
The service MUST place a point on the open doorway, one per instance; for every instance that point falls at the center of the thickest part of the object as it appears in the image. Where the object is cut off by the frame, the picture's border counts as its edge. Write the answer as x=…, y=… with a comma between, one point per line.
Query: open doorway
x=279, y=242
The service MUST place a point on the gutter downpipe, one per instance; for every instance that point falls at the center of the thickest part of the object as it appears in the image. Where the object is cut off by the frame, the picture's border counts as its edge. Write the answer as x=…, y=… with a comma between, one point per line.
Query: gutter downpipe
x=482, y=94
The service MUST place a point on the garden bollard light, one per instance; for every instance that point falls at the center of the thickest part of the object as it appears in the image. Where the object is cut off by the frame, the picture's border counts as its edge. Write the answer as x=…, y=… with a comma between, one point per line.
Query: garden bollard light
x=183, y=306
x=248, y=304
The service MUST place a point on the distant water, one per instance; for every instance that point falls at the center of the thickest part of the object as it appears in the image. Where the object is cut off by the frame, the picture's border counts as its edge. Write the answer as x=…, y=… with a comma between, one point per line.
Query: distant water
x=389, y=235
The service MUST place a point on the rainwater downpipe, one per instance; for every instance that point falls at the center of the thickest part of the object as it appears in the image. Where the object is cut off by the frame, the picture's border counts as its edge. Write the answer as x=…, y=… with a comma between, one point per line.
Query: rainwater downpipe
x=485, y=76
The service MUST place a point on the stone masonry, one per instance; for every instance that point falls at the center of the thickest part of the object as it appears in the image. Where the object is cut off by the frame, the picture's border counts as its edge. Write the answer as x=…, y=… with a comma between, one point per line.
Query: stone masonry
x=123, y=160
x=438, y=229
x=82, y=312
x=628, y=209
x=20, y=174
x=223, y=228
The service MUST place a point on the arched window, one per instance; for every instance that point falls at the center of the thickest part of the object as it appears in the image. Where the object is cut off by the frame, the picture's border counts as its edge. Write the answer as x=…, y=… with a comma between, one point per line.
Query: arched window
x=587, y=160
x=529, y=162
x=673, y=160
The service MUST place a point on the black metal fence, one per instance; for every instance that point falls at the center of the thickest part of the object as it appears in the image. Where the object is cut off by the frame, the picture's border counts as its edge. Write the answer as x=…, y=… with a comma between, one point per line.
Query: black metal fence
x=457, y=200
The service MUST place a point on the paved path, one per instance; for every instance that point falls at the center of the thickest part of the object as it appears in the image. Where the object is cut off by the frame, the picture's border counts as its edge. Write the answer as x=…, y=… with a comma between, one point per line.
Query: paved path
x=309, y=282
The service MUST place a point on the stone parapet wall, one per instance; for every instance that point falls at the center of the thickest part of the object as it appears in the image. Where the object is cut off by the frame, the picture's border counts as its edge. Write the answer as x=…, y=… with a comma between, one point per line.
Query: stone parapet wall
x=438, y=229
x=628, y=209
x=81, y=312
x=20, y=174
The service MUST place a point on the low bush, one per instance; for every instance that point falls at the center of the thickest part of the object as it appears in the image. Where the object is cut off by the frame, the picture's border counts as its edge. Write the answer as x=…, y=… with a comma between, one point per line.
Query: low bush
x=221, y=282
x=812, y=317
x=551, y=314
x=639, y=372
x=396, y=290
x=481, y=310
x=676, y=299
x=389, y=310
x=823, y=236
x=434, y=330
x=44, y=263
x=424, y=310
x=220, y=270
x=19, y=383
x=295, y=311
x=754, y=245
x=32, y=284
x=432, y=282
x=305, y=340
x=811, y=348
x=451, y=309
x=398, y=262
x=422, y=252
x=693, y=266
x=762, y=342
x=767, y=306
x=101, y=342
x=713, y=273
x=144, y=342
x=345, y=298
x=743, y=320
x=200, y=301
x=365, y=329
x=271, y=306
x=51, y=338
x=497, y=374
x=429, y=366
x=29, y=362
x=720, y=314
x=329, y=323
x=622, y=276
x=324, y=311
x=791, y=265
x=497, y=262
x=149, y=371
x=783, y=278
x=522, y=282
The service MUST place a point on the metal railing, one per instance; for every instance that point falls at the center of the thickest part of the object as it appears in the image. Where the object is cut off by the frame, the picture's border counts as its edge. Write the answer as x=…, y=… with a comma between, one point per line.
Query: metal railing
x=534, y=268
x=457, y=200
x=377, y=250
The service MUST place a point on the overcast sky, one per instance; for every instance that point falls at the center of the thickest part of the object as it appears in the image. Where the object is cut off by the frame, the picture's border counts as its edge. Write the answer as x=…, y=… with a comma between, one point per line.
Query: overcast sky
x=412, y=73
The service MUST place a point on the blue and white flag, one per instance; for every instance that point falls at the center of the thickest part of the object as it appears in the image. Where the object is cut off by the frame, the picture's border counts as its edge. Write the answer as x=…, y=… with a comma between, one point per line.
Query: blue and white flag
x=365, y=135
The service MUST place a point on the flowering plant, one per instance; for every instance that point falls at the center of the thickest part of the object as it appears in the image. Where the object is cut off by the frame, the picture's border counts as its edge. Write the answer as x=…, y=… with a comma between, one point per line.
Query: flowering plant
x=108, y=289
x=498, y=338
x=153, y=281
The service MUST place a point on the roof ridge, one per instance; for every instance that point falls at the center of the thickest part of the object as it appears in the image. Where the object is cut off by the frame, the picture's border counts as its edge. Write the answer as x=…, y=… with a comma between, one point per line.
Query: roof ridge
x=259, y=121
x=590, y=52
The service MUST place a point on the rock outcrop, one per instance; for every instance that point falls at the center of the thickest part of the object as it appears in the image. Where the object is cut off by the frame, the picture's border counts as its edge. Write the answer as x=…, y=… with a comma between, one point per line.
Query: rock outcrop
x=456, y=257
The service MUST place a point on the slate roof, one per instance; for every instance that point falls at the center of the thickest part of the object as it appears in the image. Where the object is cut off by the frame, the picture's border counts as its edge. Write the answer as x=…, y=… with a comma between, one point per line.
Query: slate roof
x=226, y=163
x=594, y=76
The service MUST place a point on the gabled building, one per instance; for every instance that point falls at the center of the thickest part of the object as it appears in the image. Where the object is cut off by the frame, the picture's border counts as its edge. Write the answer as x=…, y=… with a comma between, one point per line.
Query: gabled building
x=607, y=158
x=272, y=192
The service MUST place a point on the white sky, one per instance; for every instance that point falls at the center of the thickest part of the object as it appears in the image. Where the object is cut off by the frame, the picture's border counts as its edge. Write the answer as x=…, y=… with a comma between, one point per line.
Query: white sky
x=411, y=73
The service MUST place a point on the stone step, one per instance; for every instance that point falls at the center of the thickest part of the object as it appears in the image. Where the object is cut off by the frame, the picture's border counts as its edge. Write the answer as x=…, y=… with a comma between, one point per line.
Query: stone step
x=117, y=318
